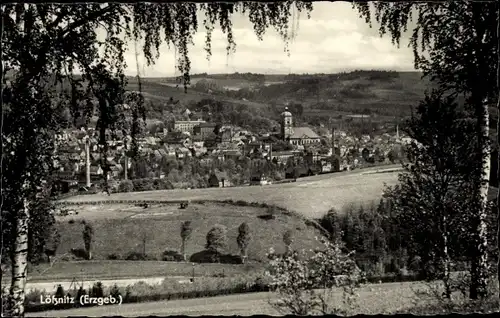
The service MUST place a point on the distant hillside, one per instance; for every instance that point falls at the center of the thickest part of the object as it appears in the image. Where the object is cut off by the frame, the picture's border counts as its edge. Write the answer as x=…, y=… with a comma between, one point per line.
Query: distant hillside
x=386, y=93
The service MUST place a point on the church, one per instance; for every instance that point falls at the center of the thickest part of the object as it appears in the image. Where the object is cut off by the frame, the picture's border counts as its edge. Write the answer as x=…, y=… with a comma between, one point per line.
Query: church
x=296, y=135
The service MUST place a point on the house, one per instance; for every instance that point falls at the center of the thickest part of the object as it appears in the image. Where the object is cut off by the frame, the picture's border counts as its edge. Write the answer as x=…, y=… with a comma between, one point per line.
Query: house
x=205, y=130
x=65, y=186
x=303, y=136
x=206, y=160
x=227, y=135
x=187, y=125
x=96, y=172
x=218, y=180
x=170, y=151
x=281, y=157
x=231, y=154
x=296, y=135
x=115, y=171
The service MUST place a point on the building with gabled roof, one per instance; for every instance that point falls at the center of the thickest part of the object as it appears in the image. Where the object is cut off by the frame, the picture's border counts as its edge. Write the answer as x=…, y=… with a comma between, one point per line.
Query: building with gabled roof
x=296, y=135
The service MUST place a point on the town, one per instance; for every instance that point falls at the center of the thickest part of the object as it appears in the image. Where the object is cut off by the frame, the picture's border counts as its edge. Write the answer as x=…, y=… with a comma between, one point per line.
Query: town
x=195, y=153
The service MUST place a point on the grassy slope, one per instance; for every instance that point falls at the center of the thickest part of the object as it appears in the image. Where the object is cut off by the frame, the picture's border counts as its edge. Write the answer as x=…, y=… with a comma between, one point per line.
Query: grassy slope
x=311, y=197
x=124, y=234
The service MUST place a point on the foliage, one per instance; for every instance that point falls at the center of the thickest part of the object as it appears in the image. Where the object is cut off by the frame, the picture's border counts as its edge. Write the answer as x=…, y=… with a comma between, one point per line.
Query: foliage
x=186, y=230
x=52, y=243
x=288, y=239
x=97, y=290
x=331, y=223
x=296, y=276
x=455, y=44
x=126, y=186
x=217, y=238
x=432, y=199
x=243, y=238
x=172, y=256
x=88, y=235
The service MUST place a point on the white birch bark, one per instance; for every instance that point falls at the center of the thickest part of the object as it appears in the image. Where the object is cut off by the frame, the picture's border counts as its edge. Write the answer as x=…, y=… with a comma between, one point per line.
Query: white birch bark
x=20, y=263
x=479, y=266
x=498, y=145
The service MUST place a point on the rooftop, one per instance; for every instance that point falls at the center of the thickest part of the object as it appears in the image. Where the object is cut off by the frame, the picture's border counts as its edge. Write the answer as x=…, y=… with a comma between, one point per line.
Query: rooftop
x=303, y=132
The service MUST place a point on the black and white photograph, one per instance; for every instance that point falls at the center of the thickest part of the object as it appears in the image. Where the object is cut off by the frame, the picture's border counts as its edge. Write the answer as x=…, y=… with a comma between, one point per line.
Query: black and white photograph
x=240, y=158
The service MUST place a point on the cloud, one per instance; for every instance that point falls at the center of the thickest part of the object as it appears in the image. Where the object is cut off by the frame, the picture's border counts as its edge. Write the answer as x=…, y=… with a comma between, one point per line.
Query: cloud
x=333, y=39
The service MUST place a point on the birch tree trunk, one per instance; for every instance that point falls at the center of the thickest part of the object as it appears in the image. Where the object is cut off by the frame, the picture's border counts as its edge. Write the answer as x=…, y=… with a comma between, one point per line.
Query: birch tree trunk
x=498, y=145
x=446, y=259
x=479, y=266
x=498, y=173
x=20, y=263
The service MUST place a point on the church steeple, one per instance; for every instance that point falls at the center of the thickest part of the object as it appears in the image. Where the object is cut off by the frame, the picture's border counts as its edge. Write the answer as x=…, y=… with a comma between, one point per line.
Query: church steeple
x=286, y=124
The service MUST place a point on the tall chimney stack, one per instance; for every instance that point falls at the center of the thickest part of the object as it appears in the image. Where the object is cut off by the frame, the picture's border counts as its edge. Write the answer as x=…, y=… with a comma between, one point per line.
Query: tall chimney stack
x=333, y=140
x=126, y=167
x=87, y=161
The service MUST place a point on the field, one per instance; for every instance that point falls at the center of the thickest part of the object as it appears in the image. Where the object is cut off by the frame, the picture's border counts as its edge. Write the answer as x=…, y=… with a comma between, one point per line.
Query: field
x=123, y=229
x=311, y=197
x=117, y=269
x=155, y=90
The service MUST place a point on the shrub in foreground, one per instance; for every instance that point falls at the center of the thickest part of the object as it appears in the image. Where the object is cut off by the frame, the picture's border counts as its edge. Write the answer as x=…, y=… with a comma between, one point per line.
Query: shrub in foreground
x=296, y=276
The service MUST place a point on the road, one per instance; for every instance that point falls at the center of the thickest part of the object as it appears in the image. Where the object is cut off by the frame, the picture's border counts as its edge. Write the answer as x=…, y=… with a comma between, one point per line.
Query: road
x=310, y=196
x=373, y=298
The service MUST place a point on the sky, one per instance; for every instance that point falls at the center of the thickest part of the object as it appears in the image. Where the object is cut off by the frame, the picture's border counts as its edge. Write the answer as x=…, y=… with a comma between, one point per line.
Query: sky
x=334, y=39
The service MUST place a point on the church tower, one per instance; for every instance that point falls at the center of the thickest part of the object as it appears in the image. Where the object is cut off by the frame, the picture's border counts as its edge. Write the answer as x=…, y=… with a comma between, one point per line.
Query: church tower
x=286, y=124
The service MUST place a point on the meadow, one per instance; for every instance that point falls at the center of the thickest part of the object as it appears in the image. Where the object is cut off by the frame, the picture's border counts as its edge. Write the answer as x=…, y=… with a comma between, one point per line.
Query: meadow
x=120, y=269
x=122, y=229
x=311, y=197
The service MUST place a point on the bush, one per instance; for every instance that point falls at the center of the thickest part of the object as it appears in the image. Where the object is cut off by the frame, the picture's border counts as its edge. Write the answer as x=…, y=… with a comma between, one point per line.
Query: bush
x=240, y=203
x=59, y=292
x=205, y=256
x=79, y=253
x=266, y=217
x=230, y=259
x=210, y=256
x=126, y=186
x=115, y=291
x=217, y=238
x=243, y=239
x=261, y=284
x=295, y=276
x=88, y=235
x=135, y=256
x=114, y=256
x=172, y=256
x=80, y=292
x=143, y=184
x=97, y=290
